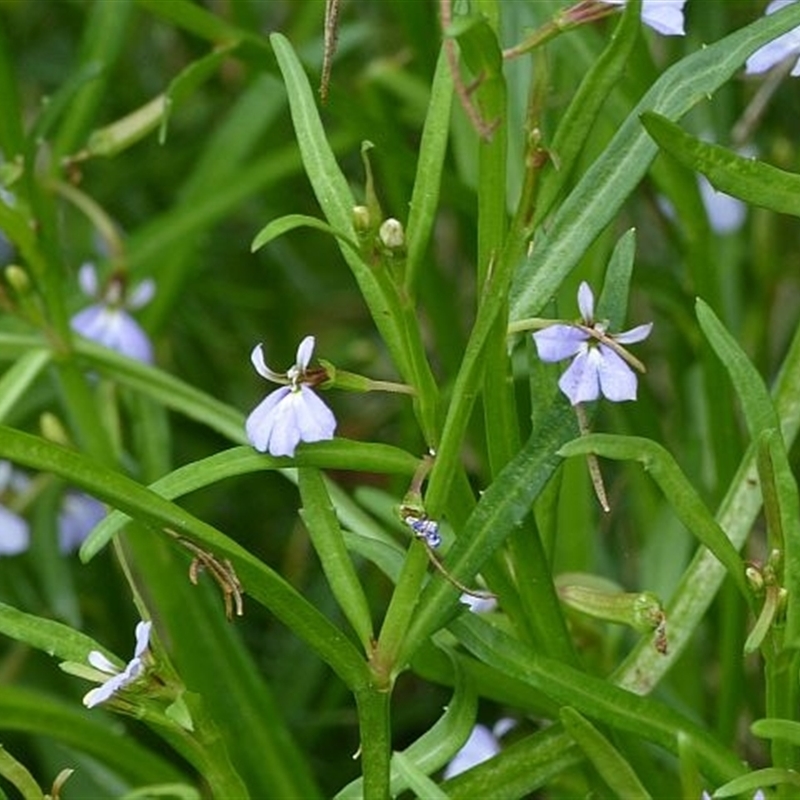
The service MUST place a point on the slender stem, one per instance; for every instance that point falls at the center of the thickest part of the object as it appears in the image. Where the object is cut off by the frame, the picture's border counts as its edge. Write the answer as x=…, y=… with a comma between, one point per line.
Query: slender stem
x=373, y=706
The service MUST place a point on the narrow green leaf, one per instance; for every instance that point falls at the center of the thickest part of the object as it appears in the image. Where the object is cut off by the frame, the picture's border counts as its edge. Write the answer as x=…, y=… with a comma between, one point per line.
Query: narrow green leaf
x=610, y=764
x=594, y=697
x=749, y=385
x=181, y=791
x=613, y=301
x=53, y=638
x=786, y=729
x=104, y=36
x=676, y=487
x=602, y=190
x=195, y=19
x=478, y=44
x=46, y=715
x=18, y=378
x=522, y=768
x=320, y=520
x=272, y=230
x=337, y=454
x=746, y=178
x=432, y=149
x=689, y=771
x=577, y=123
x=17, y=775
x=758, y=779
x=259, y=581
x=416, y=780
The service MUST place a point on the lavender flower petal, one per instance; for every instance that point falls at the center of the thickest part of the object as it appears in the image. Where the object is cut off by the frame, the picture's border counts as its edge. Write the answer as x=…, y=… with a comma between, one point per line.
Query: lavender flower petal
x=580, y=382
x=559, y=342
x=261, y=421
x=617, y=380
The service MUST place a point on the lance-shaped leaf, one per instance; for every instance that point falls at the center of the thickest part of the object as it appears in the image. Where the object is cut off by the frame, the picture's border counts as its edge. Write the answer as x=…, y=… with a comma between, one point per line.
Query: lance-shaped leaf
x=759, y=412
x=747, y=178
x=272, y=230
x=611, y=765
x=677, y=489
x=749, y=784
x=323, y=527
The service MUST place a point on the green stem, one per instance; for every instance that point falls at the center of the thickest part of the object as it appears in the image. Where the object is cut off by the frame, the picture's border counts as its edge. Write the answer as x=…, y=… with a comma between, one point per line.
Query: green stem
x=376, y=743
x=781, y=703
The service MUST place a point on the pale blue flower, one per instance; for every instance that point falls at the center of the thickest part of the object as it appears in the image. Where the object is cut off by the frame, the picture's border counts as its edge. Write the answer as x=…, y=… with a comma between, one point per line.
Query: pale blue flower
x=119, y=678
x=14, y=533
x=481, y=745
x=14, y=530
x=79, y=513
x=772, y=53
x=726, y=214
x=597, y=366
x=293, y=413
x=663, y=16
x=108, y=322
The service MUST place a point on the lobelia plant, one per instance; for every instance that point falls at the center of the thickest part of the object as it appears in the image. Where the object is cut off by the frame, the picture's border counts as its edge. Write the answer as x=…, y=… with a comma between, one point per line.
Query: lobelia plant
x=343, y=606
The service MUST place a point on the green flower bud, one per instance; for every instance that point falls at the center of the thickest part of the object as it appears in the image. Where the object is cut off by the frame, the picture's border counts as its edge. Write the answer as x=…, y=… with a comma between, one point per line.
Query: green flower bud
x=362, y=220
x=641, y=611
x=18, y=279
x=53, y=430
x=130, y=129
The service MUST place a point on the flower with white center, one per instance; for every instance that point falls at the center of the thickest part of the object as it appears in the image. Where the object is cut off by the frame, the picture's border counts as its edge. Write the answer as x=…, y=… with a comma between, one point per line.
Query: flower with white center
x=14, y=531
x=107, y=321
x=119, y=678
x=293, y=413
x=599, y=364
x=663, y=16
x=772, y=53
x=79, y=513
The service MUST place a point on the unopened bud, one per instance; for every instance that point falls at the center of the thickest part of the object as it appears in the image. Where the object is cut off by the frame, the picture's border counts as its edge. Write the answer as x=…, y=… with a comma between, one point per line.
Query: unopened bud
x=755, y=578
x=130, y=129
x=641, y=611
x=18, y=279
x=362, y=221
x=392, y=235
x=53, y=430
